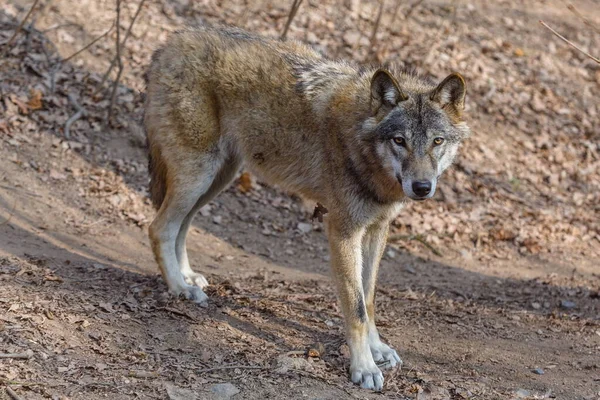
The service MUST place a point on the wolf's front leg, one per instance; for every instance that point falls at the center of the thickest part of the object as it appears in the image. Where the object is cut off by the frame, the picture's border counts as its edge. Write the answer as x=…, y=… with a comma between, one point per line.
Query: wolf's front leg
x=374, y=243
x=346, y=260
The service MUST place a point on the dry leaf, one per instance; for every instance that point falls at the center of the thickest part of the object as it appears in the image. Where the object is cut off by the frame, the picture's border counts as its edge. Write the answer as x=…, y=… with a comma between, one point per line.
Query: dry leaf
x=35, y=99
x=245, y=182
x=23, y=108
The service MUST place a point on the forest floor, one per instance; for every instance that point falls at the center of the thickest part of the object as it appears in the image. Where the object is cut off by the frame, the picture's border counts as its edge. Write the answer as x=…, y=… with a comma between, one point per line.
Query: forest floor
x=490, y=291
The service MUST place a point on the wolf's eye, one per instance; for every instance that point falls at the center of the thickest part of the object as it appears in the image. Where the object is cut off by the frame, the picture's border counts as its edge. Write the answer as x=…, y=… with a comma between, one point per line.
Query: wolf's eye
x=438, y=140
x=399, y=141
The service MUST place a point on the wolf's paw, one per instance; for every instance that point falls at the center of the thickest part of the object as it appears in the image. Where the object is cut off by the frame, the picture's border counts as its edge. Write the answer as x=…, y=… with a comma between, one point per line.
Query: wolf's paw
x=368, y=376
x=196, y=279
x=385, y=356
x=195, y=294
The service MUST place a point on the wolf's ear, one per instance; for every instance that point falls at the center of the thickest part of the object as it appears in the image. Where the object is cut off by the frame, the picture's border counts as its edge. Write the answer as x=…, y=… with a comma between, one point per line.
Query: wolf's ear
x=385, y=90
x=451, y=92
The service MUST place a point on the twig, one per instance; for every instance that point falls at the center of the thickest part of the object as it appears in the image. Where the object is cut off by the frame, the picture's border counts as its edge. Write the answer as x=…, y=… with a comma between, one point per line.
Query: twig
x=7, y=220
x=292, y=14
x=572, y=8
x=201, y=371
x=23, y=356
x=376, y=25
x=418, y=238
x=296, y=353
x=113, y=95
x=25, y=383
x=89, y=45
x=30, y=34
x=11, y=393
x=58, y=26
x=178, y=312
x=569, y=42
x=13, y=37
x=114, y=60
x=143, y=374
x=412, y=8
x=15, y=189
x=80, y=113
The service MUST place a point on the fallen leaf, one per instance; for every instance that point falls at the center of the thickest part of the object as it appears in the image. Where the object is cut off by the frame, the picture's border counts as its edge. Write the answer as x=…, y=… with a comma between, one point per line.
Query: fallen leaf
x=35, y=99
x=245, y=184
x=22, y=106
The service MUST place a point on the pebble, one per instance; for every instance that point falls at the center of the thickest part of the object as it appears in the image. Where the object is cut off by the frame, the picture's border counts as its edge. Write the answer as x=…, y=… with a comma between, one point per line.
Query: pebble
x=522, y=393
x=538, y=371
x=224, y=390
x=567, y=304
x=178, y=393
x=304, y=227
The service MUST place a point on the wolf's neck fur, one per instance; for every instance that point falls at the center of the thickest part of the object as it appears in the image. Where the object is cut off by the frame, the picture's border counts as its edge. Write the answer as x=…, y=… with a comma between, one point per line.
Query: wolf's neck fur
x=322, y=80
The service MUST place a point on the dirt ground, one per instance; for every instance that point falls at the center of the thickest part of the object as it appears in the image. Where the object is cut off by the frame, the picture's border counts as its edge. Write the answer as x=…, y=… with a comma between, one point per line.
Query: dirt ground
x=489, y=291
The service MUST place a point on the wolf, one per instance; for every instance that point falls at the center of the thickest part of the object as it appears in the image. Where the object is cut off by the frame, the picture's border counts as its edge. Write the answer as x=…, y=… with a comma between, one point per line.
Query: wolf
x=360, y=141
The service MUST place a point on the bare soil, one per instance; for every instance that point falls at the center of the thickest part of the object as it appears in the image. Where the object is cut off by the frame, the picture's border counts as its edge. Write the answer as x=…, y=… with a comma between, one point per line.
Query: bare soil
x=489, y=291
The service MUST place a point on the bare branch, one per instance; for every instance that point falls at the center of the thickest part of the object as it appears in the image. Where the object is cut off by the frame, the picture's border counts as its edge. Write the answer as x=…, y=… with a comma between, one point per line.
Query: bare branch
x=293, y=11
x=418, y=238
x=14, y=36
x=412, y=8
x=80, y=113
x=13, y=355
x=376, y=26
x=203, y=371
x=114, y=60
x=572, y=8
x=113, y=95
x=89, y=44
x=26, y=355
x=12, y=394
x=569, y=42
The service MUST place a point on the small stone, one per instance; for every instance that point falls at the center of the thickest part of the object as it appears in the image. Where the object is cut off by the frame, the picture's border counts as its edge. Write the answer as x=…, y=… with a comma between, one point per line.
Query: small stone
x=536, y=305
x=304, y=227
x=567, y=304
x=410, y=269
x=177, y=393
x=522, y=393
x=538, y=371
x=224, y=390
x=351, y=38
x=205, y=210
x=217, y=219
x=58, y=176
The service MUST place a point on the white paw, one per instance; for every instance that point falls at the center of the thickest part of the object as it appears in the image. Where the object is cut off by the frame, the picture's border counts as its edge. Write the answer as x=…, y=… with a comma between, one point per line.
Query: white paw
x=368, y=376
x=196, y=279
x=193, y=293
x=385, y=356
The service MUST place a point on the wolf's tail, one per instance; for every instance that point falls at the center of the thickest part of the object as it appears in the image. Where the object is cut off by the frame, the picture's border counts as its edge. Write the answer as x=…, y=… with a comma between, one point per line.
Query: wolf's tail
x=156, y=165
x=158, y=176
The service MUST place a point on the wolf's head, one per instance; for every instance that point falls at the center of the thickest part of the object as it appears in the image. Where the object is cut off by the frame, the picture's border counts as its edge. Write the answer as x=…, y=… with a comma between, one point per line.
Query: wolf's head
x=415, y=130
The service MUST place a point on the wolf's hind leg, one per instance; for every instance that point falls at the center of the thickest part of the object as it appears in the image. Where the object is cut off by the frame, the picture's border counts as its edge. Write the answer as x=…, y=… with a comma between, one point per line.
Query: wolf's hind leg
x=184, y=188
x=222, y=179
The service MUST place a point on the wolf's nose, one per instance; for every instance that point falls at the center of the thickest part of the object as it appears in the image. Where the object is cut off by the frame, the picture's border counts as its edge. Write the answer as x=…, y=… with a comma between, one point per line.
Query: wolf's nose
x=421, y=188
